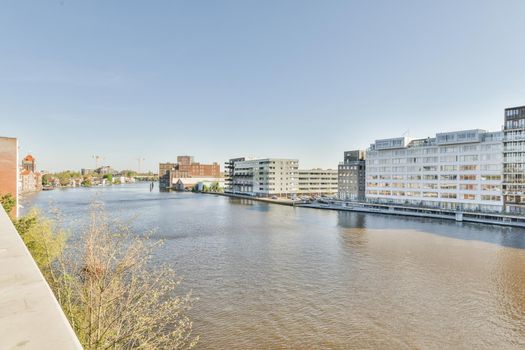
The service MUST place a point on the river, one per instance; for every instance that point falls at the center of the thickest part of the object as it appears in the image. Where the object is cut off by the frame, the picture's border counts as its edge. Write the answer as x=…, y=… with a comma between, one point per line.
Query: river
x=272, y=277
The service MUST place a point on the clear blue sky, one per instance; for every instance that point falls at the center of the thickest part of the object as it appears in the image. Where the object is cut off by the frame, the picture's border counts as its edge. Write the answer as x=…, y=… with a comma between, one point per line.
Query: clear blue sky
x=221, y=79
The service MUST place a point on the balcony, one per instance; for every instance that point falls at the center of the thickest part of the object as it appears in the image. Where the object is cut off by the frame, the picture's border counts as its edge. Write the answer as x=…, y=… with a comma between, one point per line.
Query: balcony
x=30, y=316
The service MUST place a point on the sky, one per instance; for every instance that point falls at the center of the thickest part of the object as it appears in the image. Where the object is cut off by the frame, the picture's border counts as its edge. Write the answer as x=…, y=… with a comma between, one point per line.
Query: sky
x=222, y=79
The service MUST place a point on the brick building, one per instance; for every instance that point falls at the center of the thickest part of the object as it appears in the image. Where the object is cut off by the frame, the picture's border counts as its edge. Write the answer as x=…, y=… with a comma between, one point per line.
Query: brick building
x=30, y=179
x=29, y=163
x=185, y=168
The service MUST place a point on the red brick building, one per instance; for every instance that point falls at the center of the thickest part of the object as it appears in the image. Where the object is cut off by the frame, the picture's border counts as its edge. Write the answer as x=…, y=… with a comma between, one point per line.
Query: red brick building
x=186, y=168
x=186, y=165
x=9, y=169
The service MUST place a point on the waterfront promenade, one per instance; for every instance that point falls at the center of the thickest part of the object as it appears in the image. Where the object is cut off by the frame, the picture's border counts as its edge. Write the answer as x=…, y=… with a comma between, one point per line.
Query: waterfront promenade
x=376, y=208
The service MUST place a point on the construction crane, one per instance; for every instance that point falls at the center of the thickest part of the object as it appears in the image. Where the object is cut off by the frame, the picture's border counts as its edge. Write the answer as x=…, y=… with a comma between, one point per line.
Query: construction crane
x=140, y=160
x=97, y=158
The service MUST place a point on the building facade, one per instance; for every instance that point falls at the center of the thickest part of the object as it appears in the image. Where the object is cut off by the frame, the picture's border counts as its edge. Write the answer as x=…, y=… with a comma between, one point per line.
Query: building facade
x=229, y=167
x=172, y=175
x=186, y=165
x=263, y=177
x=105, y=170
x=30, y=179
x=459, y=170
x=9, y=170
x=29, y=163
x=317, y=182
x=352, y=176
x=514, y=160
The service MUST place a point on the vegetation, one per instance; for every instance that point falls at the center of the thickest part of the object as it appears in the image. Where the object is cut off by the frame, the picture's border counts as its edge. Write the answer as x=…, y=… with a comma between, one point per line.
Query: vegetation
x=87, y=181
x=45, y=241
x=214, y=187
x=64, y=177
x=8, y=202
x=107, y=286
x=129, y=173
x=108, y=177
x=46, y=180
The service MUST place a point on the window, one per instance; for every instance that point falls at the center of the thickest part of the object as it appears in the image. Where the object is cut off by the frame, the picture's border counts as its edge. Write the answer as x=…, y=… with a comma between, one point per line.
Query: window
x=430, y=194
x=468, y=167
x=448, y=168
x=448, y=159
x=490, y=188
x=490, y=198
x=449, y=177
x=448, y=187
x=469, y=158
x=490, y=177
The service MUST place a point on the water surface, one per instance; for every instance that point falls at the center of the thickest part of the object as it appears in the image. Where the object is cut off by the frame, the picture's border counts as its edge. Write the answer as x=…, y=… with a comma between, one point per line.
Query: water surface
x=272, y=277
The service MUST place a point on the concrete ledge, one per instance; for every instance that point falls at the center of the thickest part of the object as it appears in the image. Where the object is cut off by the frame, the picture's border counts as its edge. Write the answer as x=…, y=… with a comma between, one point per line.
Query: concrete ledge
x=483, y=218
x=30, y=316
x=287, y=202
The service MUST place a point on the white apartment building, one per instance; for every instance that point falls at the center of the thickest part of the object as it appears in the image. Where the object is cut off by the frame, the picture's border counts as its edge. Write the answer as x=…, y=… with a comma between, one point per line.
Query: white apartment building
x=317, y=182
x=263, y=177
x=459, y=170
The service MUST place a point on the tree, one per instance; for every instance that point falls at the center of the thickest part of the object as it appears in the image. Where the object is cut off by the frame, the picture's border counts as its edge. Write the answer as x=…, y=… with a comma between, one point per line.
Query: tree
x=108, y=287
x=46, y=179
x=43, y=238
x=128, y=173
x=215, y=187
x=108, y=177
x=87, y=182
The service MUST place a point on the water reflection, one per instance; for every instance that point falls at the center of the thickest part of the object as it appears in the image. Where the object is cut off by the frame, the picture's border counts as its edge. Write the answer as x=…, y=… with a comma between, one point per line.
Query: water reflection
x=501, y=235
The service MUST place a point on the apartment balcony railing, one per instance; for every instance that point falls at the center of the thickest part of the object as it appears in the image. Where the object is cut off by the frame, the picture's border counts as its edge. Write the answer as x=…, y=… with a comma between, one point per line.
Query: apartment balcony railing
x=30, y=316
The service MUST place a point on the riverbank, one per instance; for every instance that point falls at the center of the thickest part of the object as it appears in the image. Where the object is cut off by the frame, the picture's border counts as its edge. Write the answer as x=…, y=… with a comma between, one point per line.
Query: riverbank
x=483, y=218
x=287, y=202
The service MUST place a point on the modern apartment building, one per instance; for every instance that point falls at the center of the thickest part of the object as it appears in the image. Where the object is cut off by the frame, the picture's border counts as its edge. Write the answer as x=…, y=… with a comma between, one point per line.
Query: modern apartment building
x=229, y=167
x=459, y=170
x=514, y=160
x=263, y=177
x=9, y=169
x=317, y=182
x=186, y=173
x=352, y=176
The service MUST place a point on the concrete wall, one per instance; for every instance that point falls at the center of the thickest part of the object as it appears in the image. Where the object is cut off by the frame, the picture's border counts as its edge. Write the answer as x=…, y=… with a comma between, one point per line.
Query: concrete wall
x=30, y=316
x=9, y=169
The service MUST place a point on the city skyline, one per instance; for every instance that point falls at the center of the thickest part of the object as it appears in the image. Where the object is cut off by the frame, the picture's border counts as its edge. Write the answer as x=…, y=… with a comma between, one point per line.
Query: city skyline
x=289, y=80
